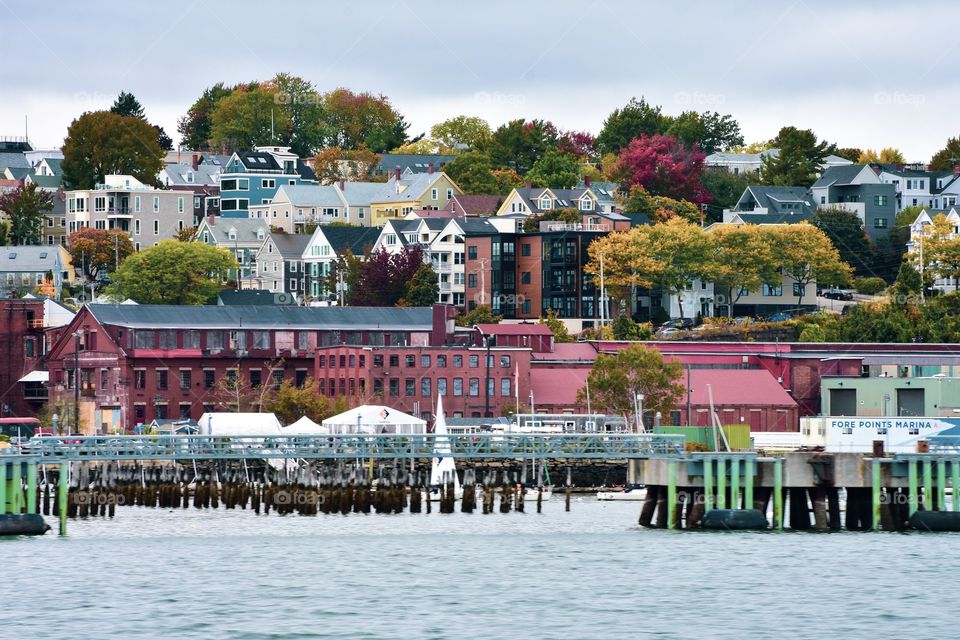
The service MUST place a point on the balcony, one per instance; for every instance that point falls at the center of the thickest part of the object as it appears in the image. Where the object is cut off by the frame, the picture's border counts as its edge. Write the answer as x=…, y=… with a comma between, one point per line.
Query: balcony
x=122, y=212
x=553, y=225
x=442, y=267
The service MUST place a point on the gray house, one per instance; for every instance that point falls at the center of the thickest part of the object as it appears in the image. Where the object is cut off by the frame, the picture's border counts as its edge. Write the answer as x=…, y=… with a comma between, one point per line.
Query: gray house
x=761, y=204
x=23, y=268
x=280, y=265
x=858, y=188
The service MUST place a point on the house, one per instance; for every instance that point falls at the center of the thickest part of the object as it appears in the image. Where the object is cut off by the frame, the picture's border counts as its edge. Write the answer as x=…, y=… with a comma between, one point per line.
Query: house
x=13, y=154
x=55, y=220
x=761, y=204
x=148, y=215
x=280, y=265
x=253, y=177
x=918, y=187
x=242, y=237
x=24, y=268
x=751, y=163
x=536, y=200
x=201, y=180
x=296, y=206
x=922, y=227
x=463, y=205
x=327, y=245
x=446, y=252
x=408, y=192
x=390, y=163
x=857, y=188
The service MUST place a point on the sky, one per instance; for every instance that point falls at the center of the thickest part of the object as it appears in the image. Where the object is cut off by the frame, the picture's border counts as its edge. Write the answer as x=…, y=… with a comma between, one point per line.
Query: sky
x=860, y=74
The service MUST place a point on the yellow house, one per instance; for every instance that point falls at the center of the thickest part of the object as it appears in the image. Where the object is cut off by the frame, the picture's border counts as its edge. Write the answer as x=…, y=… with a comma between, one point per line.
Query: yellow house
x=412, y=191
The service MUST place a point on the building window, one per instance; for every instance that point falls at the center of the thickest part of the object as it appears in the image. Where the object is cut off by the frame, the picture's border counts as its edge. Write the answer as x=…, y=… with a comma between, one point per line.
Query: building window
x=472, y=280
x=442, y=386
x=457, y=362
x=474, y=362
x=505, y=362
x=505, y=387
x=139, y=379
x=191, y=339
x=186, y=376
x=161, y=378
x=410, y=360
x=156, y=227
x=434, y=194
x=425, y=387
x=772, y=290
x=879, y=223
x=208, y=378
x=458, y=386
x=277, y=378
x=411, y=386
x=525, y=277
x=797, y=289
x=441, y=362
x=474, y=386
x=880, y=201
x=472, y=252
x=425, y=361
x=395, y=387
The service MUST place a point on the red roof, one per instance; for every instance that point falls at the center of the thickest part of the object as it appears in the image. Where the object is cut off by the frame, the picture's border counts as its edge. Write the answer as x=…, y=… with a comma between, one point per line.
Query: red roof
x=737, y=387
x=516, y=329
x=557, y=387
x=570, y=351
x=479, y=205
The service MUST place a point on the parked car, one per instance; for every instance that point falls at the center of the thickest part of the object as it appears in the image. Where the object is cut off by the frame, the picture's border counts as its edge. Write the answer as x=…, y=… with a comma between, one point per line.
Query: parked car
x=786, y=314
x=837, y=294
x=678, y=323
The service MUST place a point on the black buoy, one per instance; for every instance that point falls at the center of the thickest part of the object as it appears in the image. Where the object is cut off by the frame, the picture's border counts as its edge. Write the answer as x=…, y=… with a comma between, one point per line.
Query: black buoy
x=734, y=519
x=935, y=521
x=23, y=524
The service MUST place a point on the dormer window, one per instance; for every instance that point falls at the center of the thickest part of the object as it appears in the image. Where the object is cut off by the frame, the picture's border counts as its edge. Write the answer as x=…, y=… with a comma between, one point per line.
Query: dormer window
x=260, y=234
x=546, y=203
x=232, y=234
x=586, y=204
x=189, y=176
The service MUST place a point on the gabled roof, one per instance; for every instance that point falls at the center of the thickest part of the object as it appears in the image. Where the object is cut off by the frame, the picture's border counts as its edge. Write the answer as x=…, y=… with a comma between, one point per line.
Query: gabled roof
x=355, y=239
x=744, y=387
x=479, y=205
x=13, y=159
x=54, y=164
x=45, y=182
x=415, y=184
x=476, y=227
x=361, y=194
x=290, y=245
x=147, y=316
x=417, y=163
x=309, y=195
x=246, y=229
x=562, y=198
x=205, y=175
x=844, y=175
x=30, y=258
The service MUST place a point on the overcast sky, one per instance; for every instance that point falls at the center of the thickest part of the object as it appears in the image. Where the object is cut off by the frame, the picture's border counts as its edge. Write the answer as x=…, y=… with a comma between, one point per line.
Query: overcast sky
x=861, y=74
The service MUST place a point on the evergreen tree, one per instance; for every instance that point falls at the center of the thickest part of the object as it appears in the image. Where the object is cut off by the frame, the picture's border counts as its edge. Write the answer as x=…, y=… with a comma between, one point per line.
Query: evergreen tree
x=127, y=105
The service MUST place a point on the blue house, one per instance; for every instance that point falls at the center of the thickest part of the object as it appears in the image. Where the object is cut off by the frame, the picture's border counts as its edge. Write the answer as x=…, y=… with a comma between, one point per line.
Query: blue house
x=253, y=177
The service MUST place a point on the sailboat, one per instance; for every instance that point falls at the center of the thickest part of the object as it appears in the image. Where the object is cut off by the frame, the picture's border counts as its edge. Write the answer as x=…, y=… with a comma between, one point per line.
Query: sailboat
x=442, y=466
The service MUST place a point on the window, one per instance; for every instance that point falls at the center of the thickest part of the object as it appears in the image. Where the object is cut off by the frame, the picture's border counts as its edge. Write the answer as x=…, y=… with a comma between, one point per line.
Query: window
x=797, y=289
x=525, y=249
x=394, y=386
x=186, y=376
x=441, y=362
x=215, y=339
x=880, y=201
x=442, y=386
x=208, y=378
x=474, y=386
x=167, y=339
x=457, y=362
x=156, y=227
x=411, y=386
x=180, y=204
x=136, y=204
x=191, y=339
x=144, y=339
x=268, y=183
x=161, y=378
x=139, y=379
x=472, y=252
x=458, y=386
x=526, y=306
x=425, y=387
x=410, y=360
x=505, y=387
x=525, y=277
x=434, y=194
x=261, y=340
x=504, y=362
x=772, y=290
x=156, y=204
x=394, y=361
x=546, y=203
x=586, y=204
x=880, y=223
x=425, y=361
x=277, y=378
x=474, y=362
x=377, y=361
x=472, y=280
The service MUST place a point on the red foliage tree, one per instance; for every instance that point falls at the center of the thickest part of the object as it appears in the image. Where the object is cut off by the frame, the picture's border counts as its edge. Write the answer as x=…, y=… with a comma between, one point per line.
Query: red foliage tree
x=383, y=277
x=664, y=167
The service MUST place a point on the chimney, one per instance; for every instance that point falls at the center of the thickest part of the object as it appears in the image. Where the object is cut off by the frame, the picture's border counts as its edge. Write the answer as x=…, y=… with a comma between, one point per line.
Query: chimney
x=343, y=184
x=586, y=181
x=195, y=161
x=528, y=184
x=396, y=174
x=430, y=168
x=956, y=170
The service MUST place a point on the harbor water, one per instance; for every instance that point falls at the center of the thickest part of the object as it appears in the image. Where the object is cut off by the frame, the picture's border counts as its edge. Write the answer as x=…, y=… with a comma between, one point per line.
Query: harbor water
x=589, y=573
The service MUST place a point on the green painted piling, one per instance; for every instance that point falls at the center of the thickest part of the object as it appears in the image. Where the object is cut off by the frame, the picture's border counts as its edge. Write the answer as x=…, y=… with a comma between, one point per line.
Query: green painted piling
x=671, y=492
x=16, y=490
x=708, y=483
x=912, y=498
x=875, y=480
x=749, y=472
x=927, y=485
x=778, y=494
x=735, y=483
x=721, y=483
x=63, y=486
x=32, y=487
x=955, y=483
x=3, y=488
x=941, y=503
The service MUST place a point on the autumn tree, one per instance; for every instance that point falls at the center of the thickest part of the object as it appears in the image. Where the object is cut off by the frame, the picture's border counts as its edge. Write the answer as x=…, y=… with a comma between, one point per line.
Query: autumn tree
x=743, y=260
x=173, y=272
x=24, y=207
x=556, y=326
x=506, y=180
x=461, y=133
x=941, y=251
x=101, y=143
x=616, y=379
x=333, y=163
x=853, y=154
x=807, y=256
x=187, y=234
x=582, y=145
x=663, y=167
x=422, y=289
x=384, y=279
x=636, y=119
x=556, y=170
x=659, y=208
x=99, y=250
x=888, y=155
x=289, y=403
x=248, y=117
x=236, y=392
x=481, y=314
x=361, y=121
x=799, y=160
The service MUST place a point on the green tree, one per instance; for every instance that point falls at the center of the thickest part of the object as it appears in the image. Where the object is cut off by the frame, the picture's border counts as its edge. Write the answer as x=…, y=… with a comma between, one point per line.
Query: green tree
x=518, y=144
x=624, y=328
x=806, y=256
x=726, y=188
x=799, y=160
x=555, y=170
x=710, y=131
x=948, y=157
x=127, y=105
x=845, y=230
x=361, y=121
x=99, y=250
x=101, y=143
x=473, y=172
x=482, y=314
x=290, y=402
x=908, y=285
x=461, y=133
x=195, y=126
x=616, y=380
x=743, y=260
x=4, y=233
x=635, y=119
x=304, y=113
x=173, y=272
x=25, y=207
x=248, y=117
x=888, y=155
x=422, y=289
x=557, y=327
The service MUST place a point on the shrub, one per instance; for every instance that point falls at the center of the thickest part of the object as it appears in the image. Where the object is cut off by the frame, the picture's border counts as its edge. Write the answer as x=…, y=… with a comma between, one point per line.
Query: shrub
x=870, y=286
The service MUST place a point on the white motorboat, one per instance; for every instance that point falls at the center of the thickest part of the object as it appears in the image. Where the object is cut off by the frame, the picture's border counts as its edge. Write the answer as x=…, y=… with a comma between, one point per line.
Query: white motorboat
x=625, y=494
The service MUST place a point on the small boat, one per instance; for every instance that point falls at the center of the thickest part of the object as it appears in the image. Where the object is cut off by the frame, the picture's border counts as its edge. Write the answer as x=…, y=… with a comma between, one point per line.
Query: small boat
x=442, y=467
x=628, y=493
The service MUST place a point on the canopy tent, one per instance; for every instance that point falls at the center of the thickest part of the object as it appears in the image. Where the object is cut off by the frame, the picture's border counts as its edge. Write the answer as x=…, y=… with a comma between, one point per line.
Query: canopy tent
x=304, y=427
x=373, y=419
x=239, y=424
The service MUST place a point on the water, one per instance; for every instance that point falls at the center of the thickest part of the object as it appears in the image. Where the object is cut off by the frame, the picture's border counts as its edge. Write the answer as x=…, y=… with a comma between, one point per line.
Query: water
x=590, y=573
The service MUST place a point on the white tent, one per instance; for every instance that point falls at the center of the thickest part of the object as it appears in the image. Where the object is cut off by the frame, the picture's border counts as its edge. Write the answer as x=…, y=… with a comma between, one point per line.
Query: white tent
x=304, y=427
x=374, y=418
x=239, y=424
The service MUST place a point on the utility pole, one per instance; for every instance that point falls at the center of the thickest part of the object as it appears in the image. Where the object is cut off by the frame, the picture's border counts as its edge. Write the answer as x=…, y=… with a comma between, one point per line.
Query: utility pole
x=76, y=380
x=603, y=295
x=116, y=252
x=922, y=287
